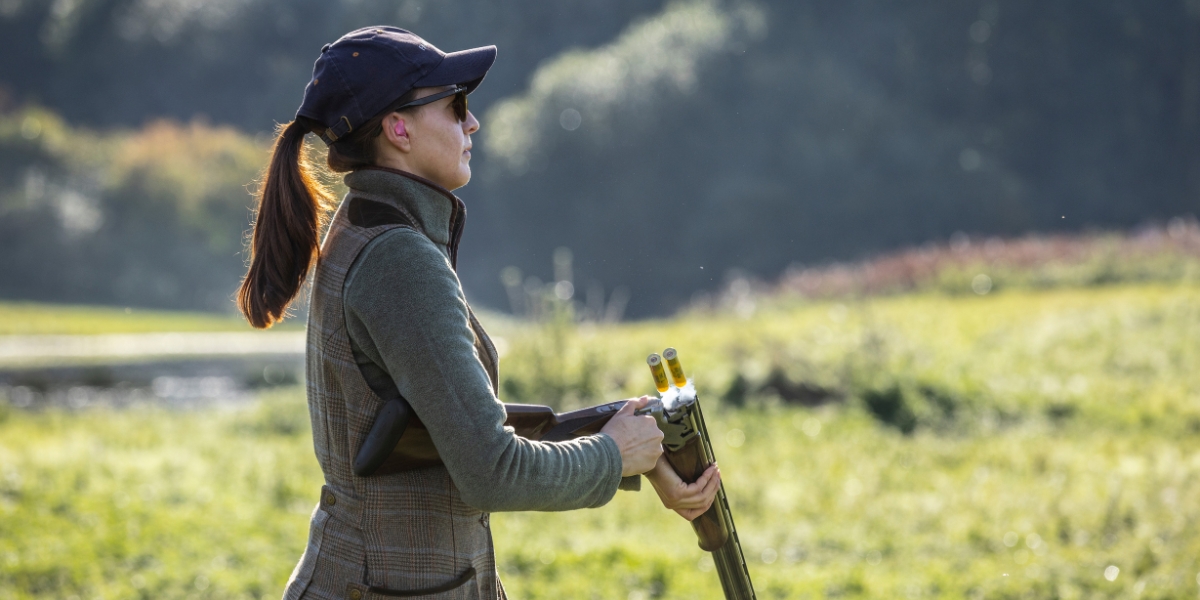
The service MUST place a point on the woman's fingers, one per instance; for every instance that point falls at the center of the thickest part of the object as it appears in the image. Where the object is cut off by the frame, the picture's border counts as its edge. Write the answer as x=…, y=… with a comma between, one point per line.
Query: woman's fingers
x=633, y=404
x=695, y=495
x=638, y=438
x=710, y=491
x=708, y=496
x=691, y=495
x=713, y=484
x=688, y=500
x=705, y=479
x=708, y=480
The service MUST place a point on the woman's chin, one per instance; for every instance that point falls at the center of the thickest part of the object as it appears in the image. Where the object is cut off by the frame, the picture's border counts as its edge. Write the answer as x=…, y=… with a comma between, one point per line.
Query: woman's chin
x=464, y=177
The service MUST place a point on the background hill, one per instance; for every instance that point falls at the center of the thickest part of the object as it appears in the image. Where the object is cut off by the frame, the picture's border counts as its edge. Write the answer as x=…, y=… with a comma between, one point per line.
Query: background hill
x=650, y=139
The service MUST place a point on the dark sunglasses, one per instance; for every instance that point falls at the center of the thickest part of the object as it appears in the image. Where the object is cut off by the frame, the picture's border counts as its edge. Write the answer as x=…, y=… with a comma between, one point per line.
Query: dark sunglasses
x=459, y=103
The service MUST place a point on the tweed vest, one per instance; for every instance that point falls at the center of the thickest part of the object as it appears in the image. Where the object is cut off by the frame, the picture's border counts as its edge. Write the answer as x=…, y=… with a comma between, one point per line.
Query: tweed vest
x=402, y=534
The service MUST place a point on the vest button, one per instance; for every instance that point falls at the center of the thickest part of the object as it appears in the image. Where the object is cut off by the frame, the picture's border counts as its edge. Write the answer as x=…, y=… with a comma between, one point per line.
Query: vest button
x=355, y=594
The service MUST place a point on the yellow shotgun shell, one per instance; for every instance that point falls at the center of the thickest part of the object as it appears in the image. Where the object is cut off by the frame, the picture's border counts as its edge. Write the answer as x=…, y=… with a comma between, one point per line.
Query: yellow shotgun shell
x=676, y=369
x=660, y=374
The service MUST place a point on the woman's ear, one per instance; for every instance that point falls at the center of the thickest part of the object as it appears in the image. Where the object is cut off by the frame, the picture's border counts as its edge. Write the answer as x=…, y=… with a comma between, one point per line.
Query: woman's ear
x=395, y=131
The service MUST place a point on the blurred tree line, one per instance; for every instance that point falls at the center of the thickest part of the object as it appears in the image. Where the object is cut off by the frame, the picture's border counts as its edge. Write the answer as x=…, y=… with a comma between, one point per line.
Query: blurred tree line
x=146, y=218
x=666, y=144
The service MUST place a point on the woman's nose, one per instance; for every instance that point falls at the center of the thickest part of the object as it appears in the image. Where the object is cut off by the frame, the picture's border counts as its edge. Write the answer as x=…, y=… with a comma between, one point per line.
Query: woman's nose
x=471, y=125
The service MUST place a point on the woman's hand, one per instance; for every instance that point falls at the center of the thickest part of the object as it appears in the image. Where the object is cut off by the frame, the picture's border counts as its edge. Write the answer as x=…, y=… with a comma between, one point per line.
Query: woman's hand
x=689, y=500
x=638, y=438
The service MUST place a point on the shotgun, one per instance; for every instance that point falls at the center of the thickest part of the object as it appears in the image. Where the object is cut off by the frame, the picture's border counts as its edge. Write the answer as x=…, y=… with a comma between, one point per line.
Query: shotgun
x=687, y=446
x=398, y=441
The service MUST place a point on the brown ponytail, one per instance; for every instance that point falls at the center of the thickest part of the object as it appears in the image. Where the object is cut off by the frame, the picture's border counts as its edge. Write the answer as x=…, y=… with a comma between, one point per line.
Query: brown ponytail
x=292, y=208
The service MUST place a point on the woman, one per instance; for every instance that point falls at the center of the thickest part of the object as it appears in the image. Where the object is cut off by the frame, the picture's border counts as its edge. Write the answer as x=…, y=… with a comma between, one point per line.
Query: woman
x=388, y=319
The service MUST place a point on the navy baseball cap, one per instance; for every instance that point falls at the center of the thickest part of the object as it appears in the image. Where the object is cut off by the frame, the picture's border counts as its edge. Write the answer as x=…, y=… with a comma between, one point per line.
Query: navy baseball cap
x=367, y=69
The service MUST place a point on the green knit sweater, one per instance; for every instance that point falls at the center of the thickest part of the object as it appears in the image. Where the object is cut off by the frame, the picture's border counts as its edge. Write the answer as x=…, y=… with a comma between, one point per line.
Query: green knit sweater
x=407, y=321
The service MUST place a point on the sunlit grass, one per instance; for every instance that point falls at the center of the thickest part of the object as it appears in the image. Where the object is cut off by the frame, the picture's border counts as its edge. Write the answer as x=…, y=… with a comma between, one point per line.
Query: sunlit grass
x=1053, y=437
x=170, y=504
x=856, y=512
x=150, y=503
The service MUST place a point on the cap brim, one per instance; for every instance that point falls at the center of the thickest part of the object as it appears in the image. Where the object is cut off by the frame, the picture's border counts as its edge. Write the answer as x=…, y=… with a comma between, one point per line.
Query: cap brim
x=467, y=67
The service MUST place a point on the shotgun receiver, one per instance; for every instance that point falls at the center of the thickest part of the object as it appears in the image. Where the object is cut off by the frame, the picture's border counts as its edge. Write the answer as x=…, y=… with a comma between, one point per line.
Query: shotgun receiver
x=398, y=441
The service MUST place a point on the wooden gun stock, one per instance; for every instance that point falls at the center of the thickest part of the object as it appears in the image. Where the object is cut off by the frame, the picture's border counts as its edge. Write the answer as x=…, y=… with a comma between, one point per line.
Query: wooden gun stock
x=541, y=423
x=398, y=440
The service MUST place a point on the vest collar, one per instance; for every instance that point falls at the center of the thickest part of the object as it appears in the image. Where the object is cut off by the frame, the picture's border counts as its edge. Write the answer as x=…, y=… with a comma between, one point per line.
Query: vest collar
x=442, y=215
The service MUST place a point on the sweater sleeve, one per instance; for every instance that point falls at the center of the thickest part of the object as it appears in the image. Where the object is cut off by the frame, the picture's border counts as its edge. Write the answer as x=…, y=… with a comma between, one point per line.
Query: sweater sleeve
x=407, y=298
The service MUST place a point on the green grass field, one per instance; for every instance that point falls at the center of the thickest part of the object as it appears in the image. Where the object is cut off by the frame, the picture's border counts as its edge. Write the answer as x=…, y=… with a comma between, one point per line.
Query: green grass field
x=1021, y=444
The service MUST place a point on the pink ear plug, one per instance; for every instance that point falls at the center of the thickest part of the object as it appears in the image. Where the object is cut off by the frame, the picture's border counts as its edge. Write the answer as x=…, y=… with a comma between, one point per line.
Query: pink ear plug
x=400, y=130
